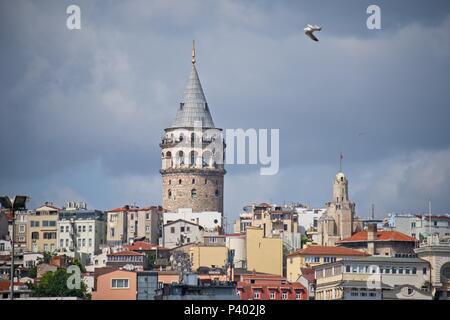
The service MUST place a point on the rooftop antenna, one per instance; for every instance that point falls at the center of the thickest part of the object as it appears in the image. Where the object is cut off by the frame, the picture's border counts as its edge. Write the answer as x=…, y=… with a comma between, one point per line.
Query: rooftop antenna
x=373, y=211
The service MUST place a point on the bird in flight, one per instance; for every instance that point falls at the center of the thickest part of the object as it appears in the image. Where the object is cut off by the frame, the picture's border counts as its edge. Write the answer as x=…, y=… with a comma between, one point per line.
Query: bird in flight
x=310, y=29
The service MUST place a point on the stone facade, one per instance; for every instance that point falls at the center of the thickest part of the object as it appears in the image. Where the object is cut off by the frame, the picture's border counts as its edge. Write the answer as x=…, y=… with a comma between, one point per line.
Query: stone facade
x=339, y=221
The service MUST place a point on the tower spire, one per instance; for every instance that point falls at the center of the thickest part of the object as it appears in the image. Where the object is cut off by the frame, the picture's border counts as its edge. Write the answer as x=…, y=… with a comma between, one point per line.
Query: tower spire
x=193, y=52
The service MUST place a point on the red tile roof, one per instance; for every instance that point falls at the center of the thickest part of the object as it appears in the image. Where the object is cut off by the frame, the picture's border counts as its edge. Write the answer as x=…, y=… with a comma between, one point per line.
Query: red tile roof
x=132, y=209
x=143, y=246
x=381, y=236
x=308, y=274
x=327, y=250
x=126, y=253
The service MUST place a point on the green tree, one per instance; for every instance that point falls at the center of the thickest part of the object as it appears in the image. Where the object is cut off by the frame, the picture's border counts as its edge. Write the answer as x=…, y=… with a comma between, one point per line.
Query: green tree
x=54, y=284
x=151, y=259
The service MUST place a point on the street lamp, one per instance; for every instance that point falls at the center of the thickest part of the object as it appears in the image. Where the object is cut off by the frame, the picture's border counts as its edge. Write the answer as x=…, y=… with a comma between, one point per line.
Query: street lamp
x=17, y=204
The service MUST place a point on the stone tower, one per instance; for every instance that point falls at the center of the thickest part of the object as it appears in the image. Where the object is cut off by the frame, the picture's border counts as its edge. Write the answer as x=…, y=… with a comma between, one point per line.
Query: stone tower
x=192, y=152
x=339, y=221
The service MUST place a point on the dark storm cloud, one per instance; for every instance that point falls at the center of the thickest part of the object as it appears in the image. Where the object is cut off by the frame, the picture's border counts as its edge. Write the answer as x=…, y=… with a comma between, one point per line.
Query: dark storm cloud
x=83, y=111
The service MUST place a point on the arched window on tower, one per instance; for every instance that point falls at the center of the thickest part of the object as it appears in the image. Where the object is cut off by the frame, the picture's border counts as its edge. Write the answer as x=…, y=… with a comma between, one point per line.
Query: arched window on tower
x=169, y=158
x=192, y=138
x=169, y=193
x=206, y=156
x=216, y=193
x=193, y=158
x=181, y=157
x=193, y=193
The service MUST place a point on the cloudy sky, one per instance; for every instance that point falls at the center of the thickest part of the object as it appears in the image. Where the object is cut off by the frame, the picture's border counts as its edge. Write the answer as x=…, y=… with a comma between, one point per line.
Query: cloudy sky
x=82, y=111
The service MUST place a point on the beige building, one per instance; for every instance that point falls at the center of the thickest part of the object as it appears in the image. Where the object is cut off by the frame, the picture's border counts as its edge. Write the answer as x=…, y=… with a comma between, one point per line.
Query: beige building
x=381, y=242
x=211, y=256
x=316, y=255
x=192, y=154
x=264, y=254
x=276, y=221
x=436, y=251
x=42, y=229
x=21, y=231
x=130, y=223
x=339, y=221
x=373, y=278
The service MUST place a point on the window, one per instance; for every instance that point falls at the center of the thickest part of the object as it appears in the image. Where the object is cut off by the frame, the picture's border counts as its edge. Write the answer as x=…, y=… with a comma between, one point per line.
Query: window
x=347, y=268
x=35, y=235
x=407, y=271
x=147, y=229
x=21, y=229
x=84, y=242
x=169, y=193
x=312, y=259
x=256, y=295
x=354, y=292
x=21, y=239
x=112, y=232
x=216, y=193
x=188, y=229
x=61, y=243
x=147, y=216
x=400, y=270
x=272, y=295
x=90, y=242
x=179, y=181
x=424, y=270
x=193, y=193
x=193, y=181
x=363, y=293
x=181, y=229
x=67, y=243
x=329, y=259
x=67, y=228
x=34, y=224
x=172, y=229
x=84, y=228
x=298, y=295
x=394, y=270
x=284, y=295
x=45, y=247
x=79, y=228
x=372, y=294
x=119, y=283
x=90, y=228
x=62, y=229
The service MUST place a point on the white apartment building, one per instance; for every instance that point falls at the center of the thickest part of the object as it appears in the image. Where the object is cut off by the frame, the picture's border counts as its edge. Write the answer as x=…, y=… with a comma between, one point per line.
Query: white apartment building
x=211, y=221
x=420, y=226
x=82, y=232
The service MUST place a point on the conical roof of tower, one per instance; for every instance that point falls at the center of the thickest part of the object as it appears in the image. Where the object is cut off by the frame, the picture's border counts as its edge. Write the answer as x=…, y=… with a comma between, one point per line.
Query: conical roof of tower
x=193, y=107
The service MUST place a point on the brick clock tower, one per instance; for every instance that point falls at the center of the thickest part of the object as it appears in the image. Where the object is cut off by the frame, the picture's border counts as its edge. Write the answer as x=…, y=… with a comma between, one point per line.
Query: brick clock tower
x=192, y=154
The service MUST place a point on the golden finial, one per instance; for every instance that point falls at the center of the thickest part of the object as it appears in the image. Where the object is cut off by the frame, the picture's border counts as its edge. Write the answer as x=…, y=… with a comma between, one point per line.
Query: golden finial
x=193, y=51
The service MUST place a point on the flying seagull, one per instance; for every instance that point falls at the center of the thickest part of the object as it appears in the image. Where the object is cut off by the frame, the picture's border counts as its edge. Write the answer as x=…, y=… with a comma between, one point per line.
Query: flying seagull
x=310, y=29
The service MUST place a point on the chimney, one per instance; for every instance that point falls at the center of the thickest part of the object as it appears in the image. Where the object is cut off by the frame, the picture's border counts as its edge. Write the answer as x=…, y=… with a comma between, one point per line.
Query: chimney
x=371, y=238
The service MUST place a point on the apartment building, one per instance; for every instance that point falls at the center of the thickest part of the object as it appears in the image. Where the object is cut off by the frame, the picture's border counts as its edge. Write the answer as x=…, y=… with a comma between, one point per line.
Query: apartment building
x=381, y=242
x=82, y=232
x=42, y=229
x=269, y=287
x=420, y=226
x=316, y=255
x=181, y=232
x=131, y=223
x=373, y=278
x=264, y=254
